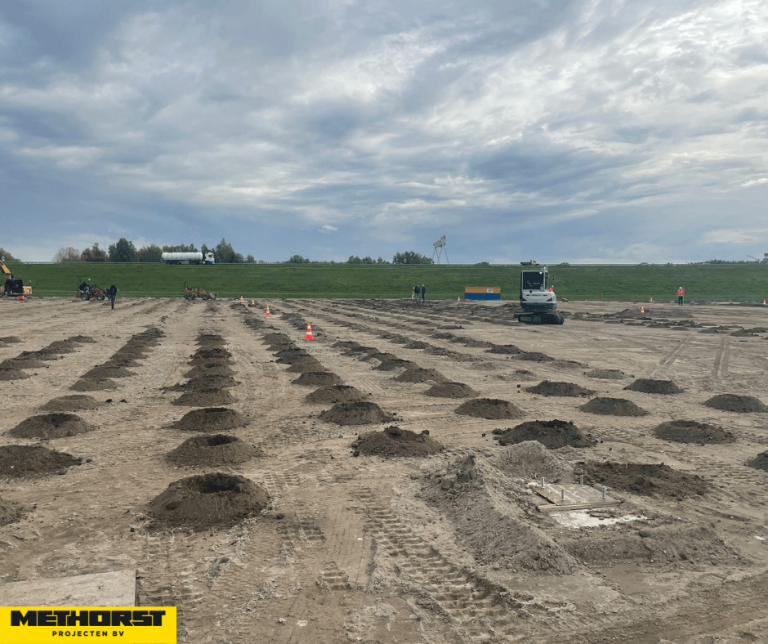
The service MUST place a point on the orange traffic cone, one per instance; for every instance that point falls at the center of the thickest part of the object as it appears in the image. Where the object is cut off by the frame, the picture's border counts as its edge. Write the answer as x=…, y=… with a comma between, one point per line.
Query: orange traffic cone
x=642, y=309
x=21, y=297
x=651, y=300
x=763, y=302
x=267, y=313
x=309, y=332
x=241, y=298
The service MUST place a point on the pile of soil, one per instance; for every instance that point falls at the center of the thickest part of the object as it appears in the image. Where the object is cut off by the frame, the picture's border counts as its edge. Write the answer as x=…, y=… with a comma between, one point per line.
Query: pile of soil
x=76, y=402
x=42, y=354
x=213, y=354
x=397, y=363
x=62, y=346
x=213, y=450
x=290, y=356
x=206, y=381
x=613, y=407
x=94, y=385
x=737, y=403
x=505, y=349
x=27, y=362
x=535, y=356
x=210, y=338
x=202, y=361
x=12, y=374
x=451, y=390
x=606, y=374
x=760, y=461
x=360, y=412
x=489, y=408
x=107, y=371
x=82, y=339
x=394, y=442
x=532, y=460
x=17, y=461
x=648, y=386
x=690, y=431
x=51, y=426
x=9, y=512
x=209, y=501
x=417, y=374
x=205, y=398
x=212, y=419
x=645, y=479
x=306, y=365
x=491, y=516
x=209, y=370
x=553, y=388
x=10, y=339
x=335, y=394
x=416, y=344
x=553, y=434
x=317, y=379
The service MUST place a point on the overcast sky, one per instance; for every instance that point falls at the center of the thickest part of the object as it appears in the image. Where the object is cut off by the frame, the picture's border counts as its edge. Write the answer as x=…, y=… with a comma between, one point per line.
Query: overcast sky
x=595, y=131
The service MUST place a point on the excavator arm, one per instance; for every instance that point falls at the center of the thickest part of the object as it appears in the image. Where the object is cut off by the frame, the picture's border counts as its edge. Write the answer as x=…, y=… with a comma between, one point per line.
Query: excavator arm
x=5, y=269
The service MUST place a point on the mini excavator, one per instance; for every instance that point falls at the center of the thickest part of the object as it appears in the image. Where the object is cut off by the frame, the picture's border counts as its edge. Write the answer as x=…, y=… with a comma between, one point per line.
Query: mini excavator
x=12, y=285
x=537, y=298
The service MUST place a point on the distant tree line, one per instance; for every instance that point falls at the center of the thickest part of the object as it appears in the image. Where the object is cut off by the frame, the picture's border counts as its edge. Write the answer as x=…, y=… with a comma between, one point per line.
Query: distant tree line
x=8, y=256
x=124, y=250
x=408, y=257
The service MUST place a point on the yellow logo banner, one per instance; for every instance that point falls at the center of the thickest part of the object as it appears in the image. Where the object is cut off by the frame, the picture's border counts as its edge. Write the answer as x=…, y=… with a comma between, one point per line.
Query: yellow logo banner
x=47, y=625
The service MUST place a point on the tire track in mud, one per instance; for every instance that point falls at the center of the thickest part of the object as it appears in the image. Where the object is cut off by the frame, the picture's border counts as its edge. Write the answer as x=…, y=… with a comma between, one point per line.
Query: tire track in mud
x=662, y=368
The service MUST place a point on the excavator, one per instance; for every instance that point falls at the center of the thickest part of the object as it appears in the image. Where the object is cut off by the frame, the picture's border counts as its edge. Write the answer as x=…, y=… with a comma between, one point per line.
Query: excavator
x=537, y=298
x=13, y=285
x=192, y=293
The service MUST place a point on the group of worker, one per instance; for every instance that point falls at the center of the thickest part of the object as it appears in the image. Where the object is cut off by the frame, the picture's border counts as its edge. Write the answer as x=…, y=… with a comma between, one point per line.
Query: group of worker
x=419, y=290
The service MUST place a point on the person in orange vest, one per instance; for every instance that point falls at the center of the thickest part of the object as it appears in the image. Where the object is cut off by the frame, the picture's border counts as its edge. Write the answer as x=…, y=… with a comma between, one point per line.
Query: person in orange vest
x=680, y=294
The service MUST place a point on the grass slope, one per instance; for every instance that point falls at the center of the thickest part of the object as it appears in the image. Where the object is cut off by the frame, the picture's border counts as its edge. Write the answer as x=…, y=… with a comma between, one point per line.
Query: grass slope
x=736, y=282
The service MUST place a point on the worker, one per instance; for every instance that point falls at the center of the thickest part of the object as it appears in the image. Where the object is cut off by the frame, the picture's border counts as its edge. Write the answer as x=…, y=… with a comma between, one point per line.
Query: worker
x=415, y=294
x=112, y=295
x=680, y=296
x=423, y=293
x=551, y=289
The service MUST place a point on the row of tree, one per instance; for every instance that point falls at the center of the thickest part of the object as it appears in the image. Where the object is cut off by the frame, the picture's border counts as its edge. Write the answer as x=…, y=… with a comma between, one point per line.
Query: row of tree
x=124, y=250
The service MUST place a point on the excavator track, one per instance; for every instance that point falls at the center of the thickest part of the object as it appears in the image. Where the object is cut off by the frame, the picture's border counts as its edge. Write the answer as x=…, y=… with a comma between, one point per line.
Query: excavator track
x=540, y=318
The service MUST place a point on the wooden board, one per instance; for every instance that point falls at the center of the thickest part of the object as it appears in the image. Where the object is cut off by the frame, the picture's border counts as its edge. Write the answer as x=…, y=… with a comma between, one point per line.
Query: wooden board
x=573, y=497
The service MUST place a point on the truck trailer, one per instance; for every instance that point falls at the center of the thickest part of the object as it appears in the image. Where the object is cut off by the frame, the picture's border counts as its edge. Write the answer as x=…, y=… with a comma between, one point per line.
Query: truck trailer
x=187, y=258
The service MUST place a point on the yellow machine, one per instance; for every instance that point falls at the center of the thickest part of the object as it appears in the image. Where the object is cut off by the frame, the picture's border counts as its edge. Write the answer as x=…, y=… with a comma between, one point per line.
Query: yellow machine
x=13, y=285
x=192, y=293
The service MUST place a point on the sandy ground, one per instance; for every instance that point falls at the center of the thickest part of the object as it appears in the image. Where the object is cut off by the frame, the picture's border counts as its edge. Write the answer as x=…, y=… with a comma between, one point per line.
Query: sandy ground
x=350, y=548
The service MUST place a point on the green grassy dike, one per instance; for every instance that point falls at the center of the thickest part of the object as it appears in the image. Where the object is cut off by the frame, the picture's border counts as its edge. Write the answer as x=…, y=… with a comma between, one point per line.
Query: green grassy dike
x=724, y=282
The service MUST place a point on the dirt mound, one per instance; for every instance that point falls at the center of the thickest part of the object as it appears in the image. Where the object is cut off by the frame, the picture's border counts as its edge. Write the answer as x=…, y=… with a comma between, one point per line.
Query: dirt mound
x=205, y=398
x=416, y=344
x=533, y=460
x=450, y=390
x=12, y=374
x=335, y=394
x=649, y=386
x=213, y=354
x=317, y=379
x=689, y=431
x=394, y=442
x=50, y=426
x=94, y=385
x=553, y=388
x=397, y=363
x=209, y=338
x=107, y=371
x=489, y=408
x=10, y=339
x=205, y=382
x=212, y=419
x=645, y=479
x=553, y=434
x=737, y=403
x=206, y=370
x=9, y=512
x=360, y=412
x=606, y=374
x=760, y=461
x=535, y=356
x=418, y=374
x=17, y=461
x=213, y=450
x=613, y=407
x=505, y=349
x=208, y=501
x=305, y=366
x=27, y=362
x=76, y=402
x=62, y=346
x=291, y=356
x=210, y=362
x=491, y=515
x=82, y=339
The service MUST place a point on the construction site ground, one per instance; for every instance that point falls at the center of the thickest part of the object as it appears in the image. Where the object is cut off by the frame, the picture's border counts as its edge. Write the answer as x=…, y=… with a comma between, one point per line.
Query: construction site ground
x=443, y=546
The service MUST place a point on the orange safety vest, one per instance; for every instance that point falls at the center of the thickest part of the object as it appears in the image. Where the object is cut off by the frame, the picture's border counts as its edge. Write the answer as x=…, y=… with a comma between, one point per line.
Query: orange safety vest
x=680, y=292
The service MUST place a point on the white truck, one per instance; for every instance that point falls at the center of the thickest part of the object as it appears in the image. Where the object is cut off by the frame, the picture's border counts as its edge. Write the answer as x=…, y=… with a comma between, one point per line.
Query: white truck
x=187, y=258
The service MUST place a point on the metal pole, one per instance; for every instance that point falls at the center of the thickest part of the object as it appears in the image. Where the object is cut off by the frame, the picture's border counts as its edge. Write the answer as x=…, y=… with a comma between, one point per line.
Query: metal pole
x=543, y=483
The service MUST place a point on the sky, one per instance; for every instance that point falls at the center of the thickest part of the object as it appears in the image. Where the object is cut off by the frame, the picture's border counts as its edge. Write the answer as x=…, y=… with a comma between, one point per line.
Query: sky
x=562, y=131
